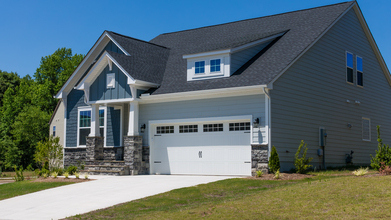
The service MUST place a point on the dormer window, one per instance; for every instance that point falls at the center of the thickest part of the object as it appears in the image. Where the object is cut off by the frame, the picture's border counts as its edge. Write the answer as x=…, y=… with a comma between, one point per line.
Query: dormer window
x=199, y=67
x=215, y=65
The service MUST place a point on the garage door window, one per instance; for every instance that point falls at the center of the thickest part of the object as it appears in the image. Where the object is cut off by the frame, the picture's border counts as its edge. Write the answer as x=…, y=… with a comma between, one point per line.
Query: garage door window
x=165, y=129
x=188, y=128
x=241, y=126
x=213, y=127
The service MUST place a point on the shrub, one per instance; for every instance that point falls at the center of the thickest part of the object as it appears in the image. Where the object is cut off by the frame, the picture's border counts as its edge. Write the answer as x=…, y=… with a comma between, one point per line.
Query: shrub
x=54, y=174
x=259, y=173
x=301, y=162
x=30, y=168
x=77, y=175
x=72, y=170
x=59, y=171
x=86, y=176
x=18, y=174
x=274, y=161
x=66, y=174
x=360, y=172
x=384, y=169
x=277, y=175
x=49, y=153
x=45, y=175
x=383, y=153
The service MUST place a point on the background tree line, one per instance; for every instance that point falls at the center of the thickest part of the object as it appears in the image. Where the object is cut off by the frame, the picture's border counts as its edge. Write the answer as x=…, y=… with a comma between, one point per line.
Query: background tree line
x=26, y=105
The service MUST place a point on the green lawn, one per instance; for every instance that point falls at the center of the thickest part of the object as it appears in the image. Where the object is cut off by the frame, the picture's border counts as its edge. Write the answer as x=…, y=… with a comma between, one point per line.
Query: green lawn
x=325, y=196
x=9, y=190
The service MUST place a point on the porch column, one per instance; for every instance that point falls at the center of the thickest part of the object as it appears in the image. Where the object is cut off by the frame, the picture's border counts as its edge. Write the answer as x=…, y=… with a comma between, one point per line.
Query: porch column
x=133, y=119
x=95, y=132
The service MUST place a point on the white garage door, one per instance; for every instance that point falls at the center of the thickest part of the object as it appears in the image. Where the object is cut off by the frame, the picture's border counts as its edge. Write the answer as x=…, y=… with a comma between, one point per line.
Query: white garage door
x=218, y=148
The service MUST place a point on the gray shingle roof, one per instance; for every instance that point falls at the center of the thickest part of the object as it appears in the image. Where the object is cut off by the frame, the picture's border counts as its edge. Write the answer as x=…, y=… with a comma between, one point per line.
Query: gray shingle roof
x=147, y=61
x=304, y=27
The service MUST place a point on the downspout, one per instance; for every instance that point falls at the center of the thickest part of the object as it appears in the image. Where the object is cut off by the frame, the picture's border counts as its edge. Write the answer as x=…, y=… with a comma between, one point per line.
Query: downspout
x=268, y=116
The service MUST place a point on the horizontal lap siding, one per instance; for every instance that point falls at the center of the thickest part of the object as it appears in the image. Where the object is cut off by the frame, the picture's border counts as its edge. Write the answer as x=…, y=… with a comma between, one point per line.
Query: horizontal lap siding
x=313, y=93
x=216, y=107
x=75, y=99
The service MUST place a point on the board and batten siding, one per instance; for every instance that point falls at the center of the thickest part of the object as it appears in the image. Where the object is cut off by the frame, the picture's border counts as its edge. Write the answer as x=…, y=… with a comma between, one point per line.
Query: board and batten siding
x=239, y=58
x=99, y=90
x=215, y=107
x=75, y=99
x=313, y=93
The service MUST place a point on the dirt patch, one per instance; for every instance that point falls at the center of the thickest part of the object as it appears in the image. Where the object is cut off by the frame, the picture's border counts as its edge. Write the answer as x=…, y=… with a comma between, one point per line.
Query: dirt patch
x=283, y=176
x=51, y=179
x=6, y=181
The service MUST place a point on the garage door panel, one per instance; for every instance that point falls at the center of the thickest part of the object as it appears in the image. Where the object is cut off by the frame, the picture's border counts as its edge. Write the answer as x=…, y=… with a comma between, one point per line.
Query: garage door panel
x=202, y=153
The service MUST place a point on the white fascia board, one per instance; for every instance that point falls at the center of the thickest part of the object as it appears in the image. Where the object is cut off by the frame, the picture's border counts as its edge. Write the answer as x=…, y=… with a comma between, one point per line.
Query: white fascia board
x=372, y=42
x=111, y=101
x=208, y=119
x=140, y=83
x=270, y=85
x=59, y=94
x=211, y=53
x=203, y=94
x=243, y=47
x=117, y=44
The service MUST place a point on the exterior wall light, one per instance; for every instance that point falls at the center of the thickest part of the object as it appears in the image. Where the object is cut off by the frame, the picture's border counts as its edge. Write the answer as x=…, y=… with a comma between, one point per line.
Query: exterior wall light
x=349, y=125
x=142, y=128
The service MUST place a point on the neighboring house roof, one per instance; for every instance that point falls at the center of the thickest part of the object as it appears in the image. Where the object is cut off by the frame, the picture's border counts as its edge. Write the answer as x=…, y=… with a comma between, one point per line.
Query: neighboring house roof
x=304, y=27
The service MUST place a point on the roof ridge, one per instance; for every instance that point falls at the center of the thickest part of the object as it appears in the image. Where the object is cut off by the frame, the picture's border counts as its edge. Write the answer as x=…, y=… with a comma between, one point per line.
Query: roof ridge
x=256, y=18
x=143, y=41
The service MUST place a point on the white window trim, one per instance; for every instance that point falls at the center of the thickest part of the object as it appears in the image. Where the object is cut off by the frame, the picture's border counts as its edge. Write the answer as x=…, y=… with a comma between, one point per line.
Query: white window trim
x=362, y=129
x=224, y=67
x=346, y=66
x=110, y=81
x=87, y=108
x=362, y=72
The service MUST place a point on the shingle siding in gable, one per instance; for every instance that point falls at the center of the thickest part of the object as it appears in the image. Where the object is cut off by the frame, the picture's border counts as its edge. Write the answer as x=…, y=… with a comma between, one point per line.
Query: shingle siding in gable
x=313, y=93
x=75, y=99
x=99, y=91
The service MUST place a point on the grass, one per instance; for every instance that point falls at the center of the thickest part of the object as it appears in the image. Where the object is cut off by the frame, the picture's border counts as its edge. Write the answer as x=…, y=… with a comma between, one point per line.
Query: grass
x=10, y=190
x=325, y=196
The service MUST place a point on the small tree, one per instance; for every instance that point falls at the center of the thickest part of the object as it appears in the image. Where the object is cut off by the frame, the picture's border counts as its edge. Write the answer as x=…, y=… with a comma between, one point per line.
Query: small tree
x=49, y=151
x=274, y=161
x=383, y=153
x=301, y=162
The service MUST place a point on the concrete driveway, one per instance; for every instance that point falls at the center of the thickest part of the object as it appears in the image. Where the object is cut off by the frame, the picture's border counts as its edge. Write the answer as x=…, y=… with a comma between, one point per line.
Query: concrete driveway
x=84, y=197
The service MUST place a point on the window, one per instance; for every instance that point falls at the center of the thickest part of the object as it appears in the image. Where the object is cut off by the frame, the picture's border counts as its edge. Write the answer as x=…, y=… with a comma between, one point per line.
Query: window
x=215, y=65
x=85, y=124
x=359, y=71
x=199, y=67
x=110, y=80
x=213, y=127
x=164, y=129
x=54, y=131
x=188, y=128
x=366, y=129
x=349, y=67
x=240, y=126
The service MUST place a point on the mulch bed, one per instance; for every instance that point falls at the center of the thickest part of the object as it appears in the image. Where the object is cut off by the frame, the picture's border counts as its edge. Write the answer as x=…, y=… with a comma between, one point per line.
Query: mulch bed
x=283, y=176
x=60, y=179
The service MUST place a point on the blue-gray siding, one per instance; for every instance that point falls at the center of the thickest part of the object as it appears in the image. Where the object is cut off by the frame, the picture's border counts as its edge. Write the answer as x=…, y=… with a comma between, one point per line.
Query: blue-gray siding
x=239, y=58
x=99, y=90
x=216, y=107
x=313, y=93
x=75, y=99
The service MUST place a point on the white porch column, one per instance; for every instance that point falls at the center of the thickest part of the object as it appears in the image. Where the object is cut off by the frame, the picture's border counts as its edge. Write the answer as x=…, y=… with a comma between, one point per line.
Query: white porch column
x=133, y=119
x=94, y=121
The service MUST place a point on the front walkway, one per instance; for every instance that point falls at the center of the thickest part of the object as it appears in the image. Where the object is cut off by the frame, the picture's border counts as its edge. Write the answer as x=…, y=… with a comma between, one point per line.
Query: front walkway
x=84, y=197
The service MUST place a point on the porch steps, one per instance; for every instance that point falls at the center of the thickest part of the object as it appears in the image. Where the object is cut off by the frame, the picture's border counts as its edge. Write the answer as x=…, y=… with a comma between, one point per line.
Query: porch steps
x=106, y=167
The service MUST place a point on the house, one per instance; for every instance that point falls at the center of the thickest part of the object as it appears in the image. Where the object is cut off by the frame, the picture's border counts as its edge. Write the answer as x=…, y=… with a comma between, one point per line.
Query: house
x=214, y=100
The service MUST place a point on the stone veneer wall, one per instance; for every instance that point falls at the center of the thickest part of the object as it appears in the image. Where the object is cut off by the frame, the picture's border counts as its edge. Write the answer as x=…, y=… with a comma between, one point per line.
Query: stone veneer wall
x=259, y=159
x=133, y=153
x=94, y=148
x=113, y=153
x=74, y=156
x=145, y=160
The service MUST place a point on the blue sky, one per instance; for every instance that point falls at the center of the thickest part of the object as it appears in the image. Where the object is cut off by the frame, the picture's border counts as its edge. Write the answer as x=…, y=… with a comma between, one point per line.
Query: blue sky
x=30, y=30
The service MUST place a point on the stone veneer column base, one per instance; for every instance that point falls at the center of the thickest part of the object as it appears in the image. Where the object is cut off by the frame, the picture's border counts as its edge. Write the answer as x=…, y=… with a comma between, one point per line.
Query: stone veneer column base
x=259, y=159
x=133, y=153
x=94, y=149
